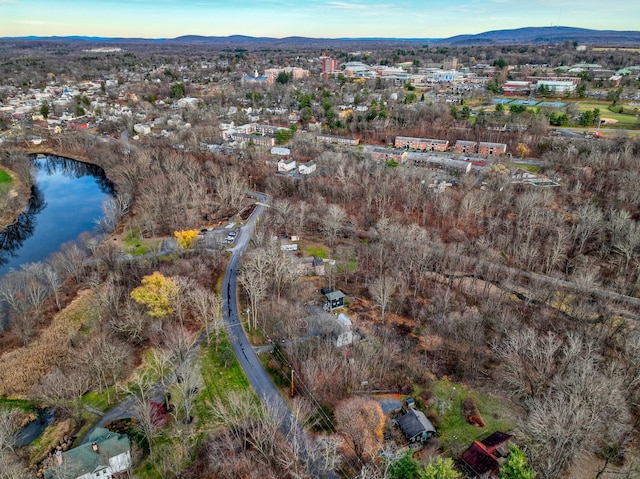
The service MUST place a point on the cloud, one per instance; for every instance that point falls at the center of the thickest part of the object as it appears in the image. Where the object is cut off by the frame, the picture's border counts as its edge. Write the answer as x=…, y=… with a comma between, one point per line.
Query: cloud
x=357, y=6
x=8, y=2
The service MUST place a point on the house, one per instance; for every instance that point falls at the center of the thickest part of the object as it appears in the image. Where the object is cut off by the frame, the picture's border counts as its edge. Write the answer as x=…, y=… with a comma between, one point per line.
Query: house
x=335, y=300
x=483, y=458
x=103, y=456
x=306, y=168
x=342, y=333
x=318, y=266
x=414, y=425
x=286, y=165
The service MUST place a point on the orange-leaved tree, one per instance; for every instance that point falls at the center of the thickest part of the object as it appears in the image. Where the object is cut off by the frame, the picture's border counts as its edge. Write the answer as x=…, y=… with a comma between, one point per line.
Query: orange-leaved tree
x=157, y=293
x=187, y=239
x=361, y=422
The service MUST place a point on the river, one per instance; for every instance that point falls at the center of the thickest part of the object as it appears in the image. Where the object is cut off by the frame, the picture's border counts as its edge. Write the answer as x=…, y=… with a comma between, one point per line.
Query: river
x=66, y=201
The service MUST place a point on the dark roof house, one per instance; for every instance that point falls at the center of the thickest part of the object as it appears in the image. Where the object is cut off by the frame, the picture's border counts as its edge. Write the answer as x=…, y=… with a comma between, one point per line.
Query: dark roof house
x=104, y=455
x=483, y=457
x=415, y=426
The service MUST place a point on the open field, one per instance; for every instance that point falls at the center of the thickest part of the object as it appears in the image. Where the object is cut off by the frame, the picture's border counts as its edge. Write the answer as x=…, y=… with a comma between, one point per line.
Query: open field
x=603, y=106
x=454, y=432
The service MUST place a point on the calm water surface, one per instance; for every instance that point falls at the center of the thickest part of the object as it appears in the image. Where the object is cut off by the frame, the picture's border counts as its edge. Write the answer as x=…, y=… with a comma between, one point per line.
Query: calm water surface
x=66, y=201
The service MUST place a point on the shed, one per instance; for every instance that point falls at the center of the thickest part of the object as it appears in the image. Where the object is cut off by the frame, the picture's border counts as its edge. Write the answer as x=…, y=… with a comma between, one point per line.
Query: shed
x=335, y=300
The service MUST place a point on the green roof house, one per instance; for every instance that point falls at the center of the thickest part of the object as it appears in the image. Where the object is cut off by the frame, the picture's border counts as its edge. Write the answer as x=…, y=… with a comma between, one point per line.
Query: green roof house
x=104, y=456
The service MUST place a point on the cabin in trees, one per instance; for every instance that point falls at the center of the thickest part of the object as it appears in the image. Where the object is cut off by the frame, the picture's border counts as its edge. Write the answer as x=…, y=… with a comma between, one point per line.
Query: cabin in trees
x=483, y=458
x=335, y=300
x=414, y=425
x=106, y=454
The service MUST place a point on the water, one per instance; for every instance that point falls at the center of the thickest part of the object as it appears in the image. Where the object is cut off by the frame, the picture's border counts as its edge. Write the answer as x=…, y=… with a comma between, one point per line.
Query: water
x=66, y=201
x=34, y=429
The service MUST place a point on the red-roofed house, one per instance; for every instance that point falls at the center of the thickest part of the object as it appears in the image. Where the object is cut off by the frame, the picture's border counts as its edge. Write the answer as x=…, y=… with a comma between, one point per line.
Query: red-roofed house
x=484, y=457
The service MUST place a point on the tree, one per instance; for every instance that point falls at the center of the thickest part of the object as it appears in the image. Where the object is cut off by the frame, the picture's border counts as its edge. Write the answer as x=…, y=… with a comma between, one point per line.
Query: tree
x=522, y=150
x=516, y=466
x=404, y=468
x=361, y=422
x=381, y=291
x=439, y=468
x=284, y=77
x=44, y=110
x=156, y=293
x=333, y=221
x=178, y=90
x=187, y=239
x=207, y=309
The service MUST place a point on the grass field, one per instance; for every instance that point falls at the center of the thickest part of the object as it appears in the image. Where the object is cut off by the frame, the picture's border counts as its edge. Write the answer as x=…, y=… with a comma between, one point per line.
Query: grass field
x=136, y=245
x=454, y=432
x=603, y=106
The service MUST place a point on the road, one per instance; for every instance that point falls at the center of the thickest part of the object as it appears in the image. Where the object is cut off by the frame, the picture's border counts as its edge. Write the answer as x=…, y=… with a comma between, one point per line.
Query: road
x=247, y=357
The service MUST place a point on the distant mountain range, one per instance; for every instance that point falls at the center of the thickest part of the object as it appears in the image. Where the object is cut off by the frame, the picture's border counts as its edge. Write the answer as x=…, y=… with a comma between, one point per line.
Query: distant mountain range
x=518, y=36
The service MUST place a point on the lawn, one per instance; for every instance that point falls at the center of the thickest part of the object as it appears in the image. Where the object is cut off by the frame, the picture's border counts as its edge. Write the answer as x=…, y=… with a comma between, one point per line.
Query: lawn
x=4, y=177
x=136, y=245
x=603, y=106
x=315, y=250
x=221, y=374
x=454, y=432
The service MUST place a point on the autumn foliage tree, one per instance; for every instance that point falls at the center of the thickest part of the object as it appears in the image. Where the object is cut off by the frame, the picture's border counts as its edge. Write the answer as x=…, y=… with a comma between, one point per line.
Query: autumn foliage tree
x=157, y=293
x=187, y=239
x=361, y=422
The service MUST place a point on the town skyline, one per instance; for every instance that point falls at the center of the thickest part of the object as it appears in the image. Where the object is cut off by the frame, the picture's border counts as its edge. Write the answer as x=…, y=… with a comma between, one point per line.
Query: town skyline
x=318, y=18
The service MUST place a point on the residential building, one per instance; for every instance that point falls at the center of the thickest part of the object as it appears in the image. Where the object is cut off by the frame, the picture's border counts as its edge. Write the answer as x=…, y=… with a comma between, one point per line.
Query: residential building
x=286, y=165
x=491, y=149
x=329, y=66
x=335, y=300
x=483, y=458
x=421, y=143
x=415, y=426
x=465, y=147
x=340, y=140
x=307, y=168
x=384, y=155
x=105, y=455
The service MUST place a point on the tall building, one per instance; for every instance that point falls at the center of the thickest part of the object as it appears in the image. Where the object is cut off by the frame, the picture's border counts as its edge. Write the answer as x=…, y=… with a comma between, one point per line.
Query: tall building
x=450, y=63
x=329, y=65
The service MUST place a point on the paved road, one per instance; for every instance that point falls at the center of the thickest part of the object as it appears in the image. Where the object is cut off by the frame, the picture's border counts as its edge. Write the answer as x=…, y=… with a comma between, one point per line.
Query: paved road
x=247, y=357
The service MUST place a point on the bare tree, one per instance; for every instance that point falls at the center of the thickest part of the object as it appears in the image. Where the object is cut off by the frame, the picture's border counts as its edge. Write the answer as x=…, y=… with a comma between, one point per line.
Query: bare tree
x=382, y=289
x=333, y=221
x=207, y=308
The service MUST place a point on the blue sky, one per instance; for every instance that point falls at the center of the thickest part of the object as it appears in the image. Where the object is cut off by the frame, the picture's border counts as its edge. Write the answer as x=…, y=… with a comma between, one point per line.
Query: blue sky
x=313, y=18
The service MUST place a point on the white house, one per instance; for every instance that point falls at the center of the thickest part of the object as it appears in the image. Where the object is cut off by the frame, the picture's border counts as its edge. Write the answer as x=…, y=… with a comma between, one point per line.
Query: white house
x=306, y=168
x=286, y=165
x=142, y=129
x=343, y=334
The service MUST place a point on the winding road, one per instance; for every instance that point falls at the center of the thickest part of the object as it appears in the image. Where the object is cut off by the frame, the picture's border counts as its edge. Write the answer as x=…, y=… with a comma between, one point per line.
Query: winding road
x=247, y=358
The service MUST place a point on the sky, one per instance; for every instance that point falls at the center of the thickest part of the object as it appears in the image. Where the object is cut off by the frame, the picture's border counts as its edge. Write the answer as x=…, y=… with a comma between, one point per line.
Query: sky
x=310, y=18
